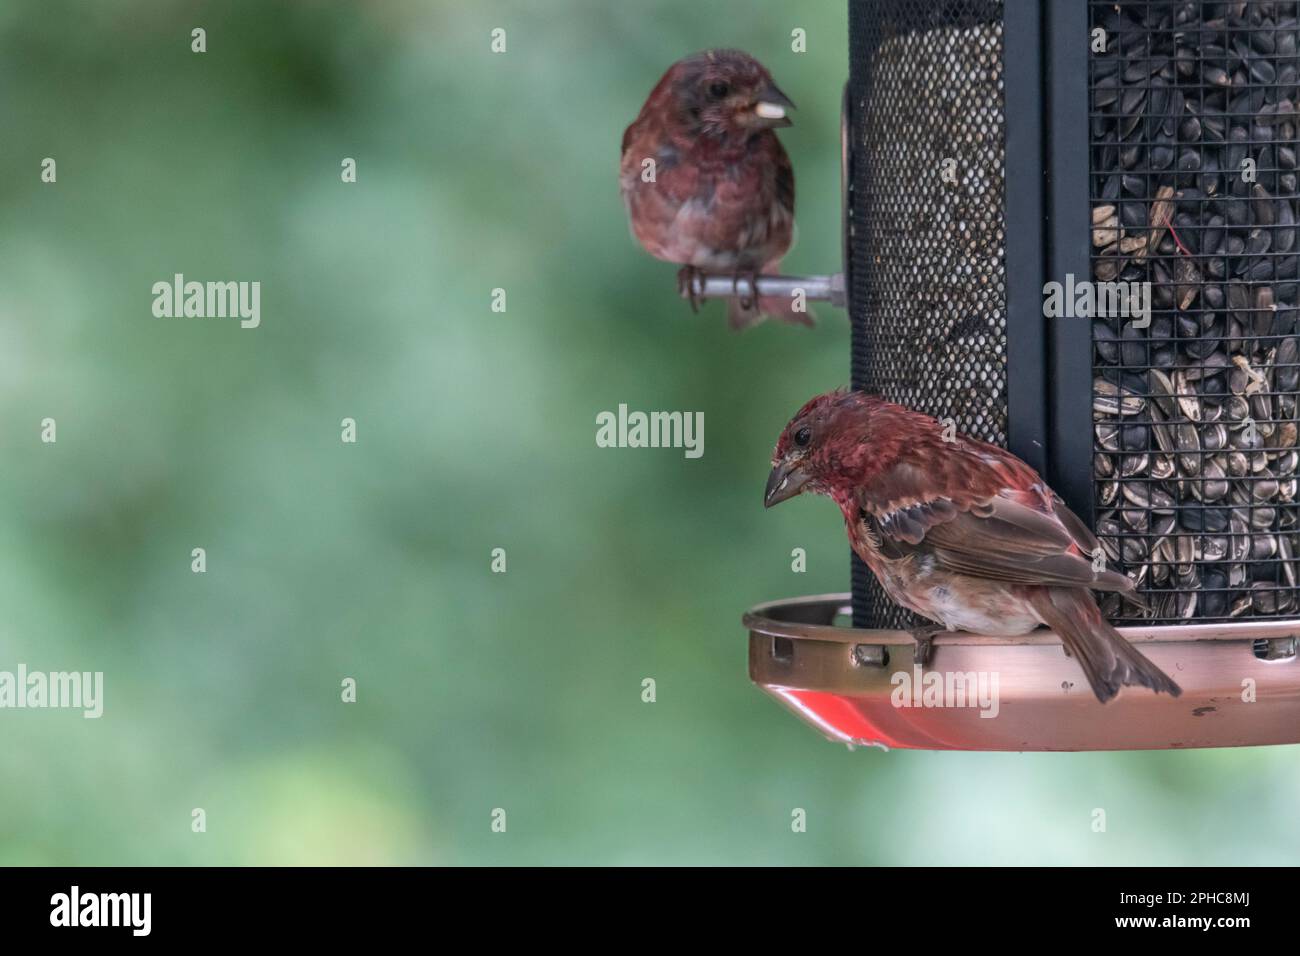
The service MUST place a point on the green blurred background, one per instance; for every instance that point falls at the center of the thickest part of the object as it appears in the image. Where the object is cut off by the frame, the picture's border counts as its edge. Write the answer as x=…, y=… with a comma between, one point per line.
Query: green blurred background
x=475, y=431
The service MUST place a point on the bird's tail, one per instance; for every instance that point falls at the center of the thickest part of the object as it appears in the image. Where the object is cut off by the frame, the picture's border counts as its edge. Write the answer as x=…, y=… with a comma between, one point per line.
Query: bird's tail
x=1108, y=660
x=742, y=314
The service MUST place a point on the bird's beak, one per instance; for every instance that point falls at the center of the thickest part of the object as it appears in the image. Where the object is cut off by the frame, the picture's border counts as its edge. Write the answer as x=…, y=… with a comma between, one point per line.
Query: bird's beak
x=770, y=109
x=786, y=480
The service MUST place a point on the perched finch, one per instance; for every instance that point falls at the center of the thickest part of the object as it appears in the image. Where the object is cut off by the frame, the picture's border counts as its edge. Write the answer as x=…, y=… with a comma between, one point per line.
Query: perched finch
x=959, y=531
x=706, y=182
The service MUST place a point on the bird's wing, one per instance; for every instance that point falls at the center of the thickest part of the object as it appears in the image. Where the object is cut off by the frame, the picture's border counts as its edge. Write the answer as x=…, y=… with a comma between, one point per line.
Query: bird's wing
x=1019, y=535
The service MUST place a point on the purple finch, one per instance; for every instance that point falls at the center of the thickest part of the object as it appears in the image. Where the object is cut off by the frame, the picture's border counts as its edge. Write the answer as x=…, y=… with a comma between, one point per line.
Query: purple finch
x=706, y=182
x=959, y=531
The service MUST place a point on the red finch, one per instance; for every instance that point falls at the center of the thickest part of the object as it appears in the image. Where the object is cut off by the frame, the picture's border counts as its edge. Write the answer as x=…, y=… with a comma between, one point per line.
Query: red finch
x=959, y=531
x=706, y=182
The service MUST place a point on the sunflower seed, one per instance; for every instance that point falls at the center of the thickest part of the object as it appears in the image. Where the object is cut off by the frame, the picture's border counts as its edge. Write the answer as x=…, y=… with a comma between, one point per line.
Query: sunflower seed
x=1196, y=437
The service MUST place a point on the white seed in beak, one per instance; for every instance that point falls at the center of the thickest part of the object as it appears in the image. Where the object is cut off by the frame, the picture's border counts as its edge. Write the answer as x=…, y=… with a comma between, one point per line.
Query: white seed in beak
x=769, y=110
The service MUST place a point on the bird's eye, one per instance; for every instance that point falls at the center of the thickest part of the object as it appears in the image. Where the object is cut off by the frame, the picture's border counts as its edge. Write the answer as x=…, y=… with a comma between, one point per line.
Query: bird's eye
x=802, y=437
x=718, y=90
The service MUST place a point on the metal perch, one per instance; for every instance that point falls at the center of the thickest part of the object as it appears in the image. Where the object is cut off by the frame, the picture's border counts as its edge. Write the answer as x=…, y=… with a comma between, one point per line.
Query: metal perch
x=828, y=288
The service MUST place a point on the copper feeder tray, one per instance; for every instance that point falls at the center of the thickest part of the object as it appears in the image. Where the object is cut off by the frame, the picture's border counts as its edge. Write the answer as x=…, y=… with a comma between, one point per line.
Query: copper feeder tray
x=845, y=681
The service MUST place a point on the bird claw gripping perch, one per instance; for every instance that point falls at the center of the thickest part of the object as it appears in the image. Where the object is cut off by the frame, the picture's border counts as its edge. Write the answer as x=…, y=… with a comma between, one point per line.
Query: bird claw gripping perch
x=687, y=277
x=924, y=637
x=749, y=297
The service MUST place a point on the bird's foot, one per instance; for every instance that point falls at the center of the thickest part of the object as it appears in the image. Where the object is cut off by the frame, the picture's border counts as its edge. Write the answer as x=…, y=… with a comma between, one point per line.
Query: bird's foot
x=924, y=637
x=686, y=286
x=749, y=299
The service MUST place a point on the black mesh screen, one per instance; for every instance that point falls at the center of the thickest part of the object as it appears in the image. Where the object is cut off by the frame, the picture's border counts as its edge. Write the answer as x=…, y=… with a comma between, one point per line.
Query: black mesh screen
x=927, y=271
x=1193, y=190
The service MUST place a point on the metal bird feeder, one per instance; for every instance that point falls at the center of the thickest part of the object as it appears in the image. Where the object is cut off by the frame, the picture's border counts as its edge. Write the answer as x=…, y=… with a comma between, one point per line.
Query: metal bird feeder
x=1013, y=171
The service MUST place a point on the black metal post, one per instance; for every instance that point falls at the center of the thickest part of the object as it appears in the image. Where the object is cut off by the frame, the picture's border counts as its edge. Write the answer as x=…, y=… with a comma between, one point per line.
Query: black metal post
x=1069, y=380
x=1027, y=418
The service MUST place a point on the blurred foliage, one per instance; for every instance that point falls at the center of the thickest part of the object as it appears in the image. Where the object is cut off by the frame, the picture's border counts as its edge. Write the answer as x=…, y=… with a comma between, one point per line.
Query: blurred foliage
x=476, y=431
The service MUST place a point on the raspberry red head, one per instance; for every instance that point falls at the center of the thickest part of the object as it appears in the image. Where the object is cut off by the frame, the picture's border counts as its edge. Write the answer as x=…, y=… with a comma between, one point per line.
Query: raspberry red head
x=841, y=441
x=815, y=413
x=823, y=437
x=723, y=91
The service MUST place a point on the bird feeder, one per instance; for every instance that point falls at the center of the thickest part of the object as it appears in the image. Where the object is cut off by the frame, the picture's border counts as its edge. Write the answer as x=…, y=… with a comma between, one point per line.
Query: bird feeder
x=1071, y=230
